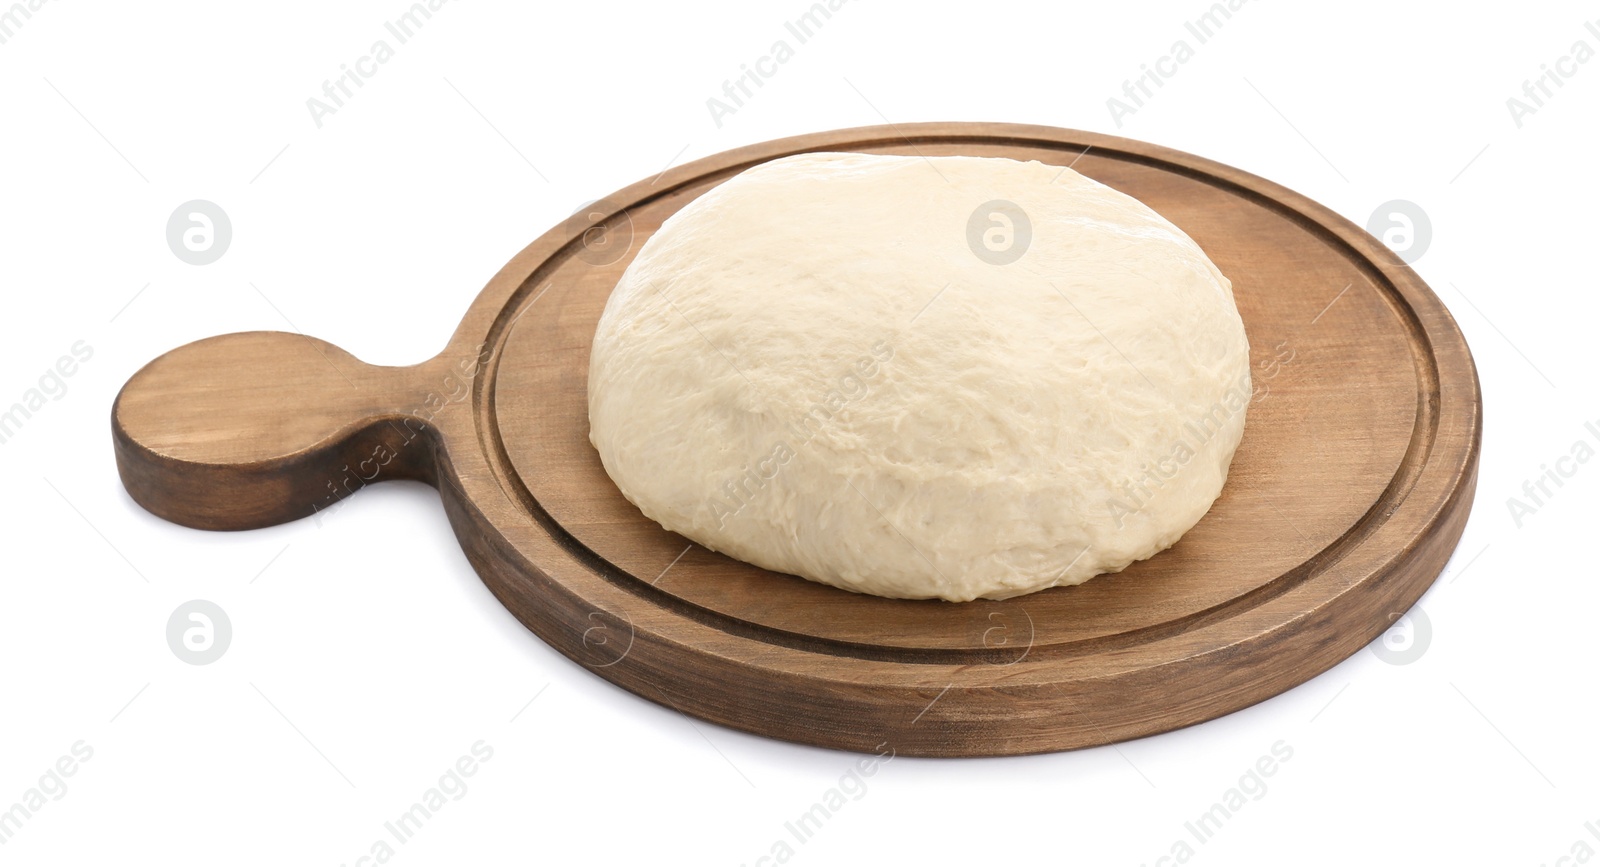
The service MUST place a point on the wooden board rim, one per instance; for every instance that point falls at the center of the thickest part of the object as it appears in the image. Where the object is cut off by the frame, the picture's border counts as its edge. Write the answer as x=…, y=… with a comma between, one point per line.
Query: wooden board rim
x=1445, y=482
x=199, y=441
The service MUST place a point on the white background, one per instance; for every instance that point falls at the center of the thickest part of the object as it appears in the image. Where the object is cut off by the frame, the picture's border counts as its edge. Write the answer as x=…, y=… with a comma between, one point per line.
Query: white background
x=367, y=656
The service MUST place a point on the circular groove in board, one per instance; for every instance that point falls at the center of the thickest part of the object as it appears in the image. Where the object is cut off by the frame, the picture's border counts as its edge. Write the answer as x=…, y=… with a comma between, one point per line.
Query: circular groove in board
x=595, y=522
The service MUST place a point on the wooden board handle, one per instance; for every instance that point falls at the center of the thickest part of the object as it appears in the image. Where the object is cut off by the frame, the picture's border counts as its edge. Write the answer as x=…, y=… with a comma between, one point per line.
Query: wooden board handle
x=254, y=429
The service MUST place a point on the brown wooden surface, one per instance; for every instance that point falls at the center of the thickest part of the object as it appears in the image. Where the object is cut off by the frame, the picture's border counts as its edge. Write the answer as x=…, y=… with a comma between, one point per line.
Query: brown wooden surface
x=1347, y=496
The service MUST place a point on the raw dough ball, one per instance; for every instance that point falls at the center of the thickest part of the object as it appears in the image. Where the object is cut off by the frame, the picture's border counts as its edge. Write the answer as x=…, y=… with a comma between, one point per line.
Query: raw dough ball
x=842, y=367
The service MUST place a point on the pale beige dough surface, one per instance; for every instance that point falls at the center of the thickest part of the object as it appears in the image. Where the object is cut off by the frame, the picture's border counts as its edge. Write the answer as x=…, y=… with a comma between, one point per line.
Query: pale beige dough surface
x=809, y=368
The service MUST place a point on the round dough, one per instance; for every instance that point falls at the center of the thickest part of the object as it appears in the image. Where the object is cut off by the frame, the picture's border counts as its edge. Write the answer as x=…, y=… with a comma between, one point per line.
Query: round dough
x=826, y=366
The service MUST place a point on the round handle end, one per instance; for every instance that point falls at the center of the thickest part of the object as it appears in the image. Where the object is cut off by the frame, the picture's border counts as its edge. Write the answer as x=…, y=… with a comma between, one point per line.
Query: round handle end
x=254, y=429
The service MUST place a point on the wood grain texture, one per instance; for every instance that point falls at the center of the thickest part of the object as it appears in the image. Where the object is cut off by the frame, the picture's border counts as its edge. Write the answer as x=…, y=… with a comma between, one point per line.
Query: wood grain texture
x=1347, y=496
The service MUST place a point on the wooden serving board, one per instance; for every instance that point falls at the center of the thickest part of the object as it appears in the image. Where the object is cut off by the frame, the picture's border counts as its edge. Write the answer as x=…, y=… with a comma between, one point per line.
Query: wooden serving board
x=1347, y=496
